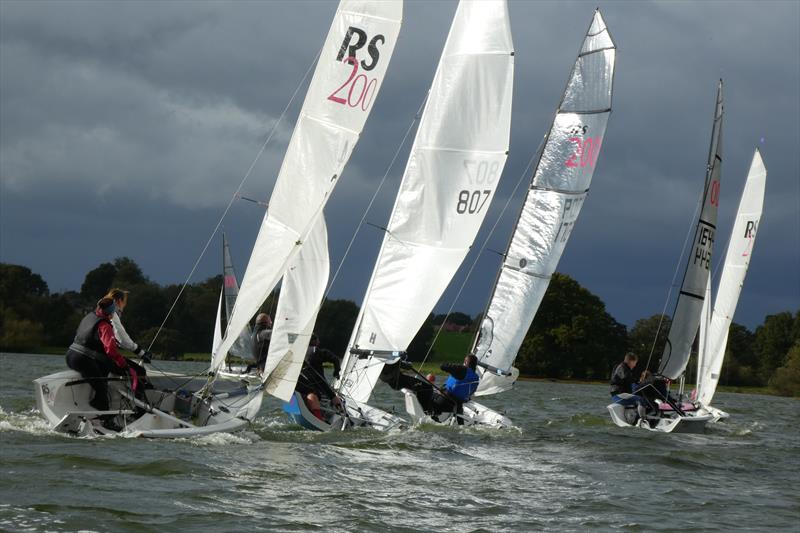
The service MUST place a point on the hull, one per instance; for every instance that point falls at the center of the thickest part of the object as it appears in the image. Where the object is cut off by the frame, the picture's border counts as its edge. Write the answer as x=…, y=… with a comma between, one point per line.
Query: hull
x=354, y=415
x=164, y=412
x=473, y=414
x=664, y=422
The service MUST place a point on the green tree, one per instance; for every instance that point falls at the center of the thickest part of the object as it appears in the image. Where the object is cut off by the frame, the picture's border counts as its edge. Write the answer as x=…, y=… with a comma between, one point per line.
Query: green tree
x=97, y=282
x=335, y=323
x=572, y=335
x=773, y=340
x=128, y=273
x=786, y=379
x=642, y=335
x=740, y=366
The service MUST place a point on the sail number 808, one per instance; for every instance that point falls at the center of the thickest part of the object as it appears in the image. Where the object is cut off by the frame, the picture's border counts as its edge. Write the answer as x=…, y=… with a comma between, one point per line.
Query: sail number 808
x=472, y=201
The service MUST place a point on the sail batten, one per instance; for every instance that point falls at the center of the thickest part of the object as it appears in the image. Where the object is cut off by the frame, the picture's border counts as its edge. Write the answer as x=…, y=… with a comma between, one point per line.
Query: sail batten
x=559, y=186
x=451, y=176
x=358, y=46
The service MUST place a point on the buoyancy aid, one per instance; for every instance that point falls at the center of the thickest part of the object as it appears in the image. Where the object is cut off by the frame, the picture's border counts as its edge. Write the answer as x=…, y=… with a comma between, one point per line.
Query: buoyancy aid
x=87, y=341
x=462, y=389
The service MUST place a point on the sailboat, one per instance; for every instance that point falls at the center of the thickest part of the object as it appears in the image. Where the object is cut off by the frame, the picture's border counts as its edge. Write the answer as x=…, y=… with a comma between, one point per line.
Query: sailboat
x=693, y=415
x=348, y=76
x=559, y=187
x=243, y=347
x=453, y=169
x=693, y=314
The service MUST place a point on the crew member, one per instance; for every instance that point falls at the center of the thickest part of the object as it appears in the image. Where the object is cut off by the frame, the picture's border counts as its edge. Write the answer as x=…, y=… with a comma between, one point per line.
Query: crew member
x=94, y=353
x=262, y=334
x=312, y=384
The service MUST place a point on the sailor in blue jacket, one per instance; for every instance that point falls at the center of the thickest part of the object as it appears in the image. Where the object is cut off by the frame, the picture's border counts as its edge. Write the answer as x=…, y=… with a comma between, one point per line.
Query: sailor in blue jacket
x=459, y=387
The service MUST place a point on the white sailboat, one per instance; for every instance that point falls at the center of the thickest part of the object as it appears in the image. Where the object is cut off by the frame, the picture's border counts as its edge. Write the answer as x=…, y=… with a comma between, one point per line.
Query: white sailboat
x=347, y=78
x=694, y=305
x=452, y=172
x=559, y=187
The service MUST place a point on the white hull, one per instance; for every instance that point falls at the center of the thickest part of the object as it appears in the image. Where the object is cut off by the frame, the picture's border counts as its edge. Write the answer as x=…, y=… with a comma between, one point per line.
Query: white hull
x=355, y=415
x=672, y=422
x=63, y=400
x=474, y=414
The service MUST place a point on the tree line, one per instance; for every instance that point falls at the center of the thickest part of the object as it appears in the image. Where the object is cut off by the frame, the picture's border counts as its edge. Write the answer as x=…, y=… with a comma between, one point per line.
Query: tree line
x=572, y=336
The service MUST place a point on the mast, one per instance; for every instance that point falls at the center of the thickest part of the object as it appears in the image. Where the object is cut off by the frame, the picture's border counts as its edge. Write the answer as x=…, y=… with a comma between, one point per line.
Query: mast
x=737, y=261
x=559, y=186
x=451, y=176
x=688, y=308
x=349, y=73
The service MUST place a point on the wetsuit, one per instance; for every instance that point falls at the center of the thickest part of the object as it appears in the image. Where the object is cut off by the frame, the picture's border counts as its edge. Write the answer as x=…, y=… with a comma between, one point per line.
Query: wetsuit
x=622, y=383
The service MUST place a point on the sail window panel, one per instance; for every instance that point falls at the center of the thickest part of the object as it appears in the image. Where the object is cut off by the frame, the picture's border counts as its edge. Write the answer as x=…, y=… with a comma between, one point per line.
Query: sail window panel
x=475, y=119
x=572, y=151
x=445, y=197
x=344, y=93
x=314, y=159
x=507, y=320
x=589, y=88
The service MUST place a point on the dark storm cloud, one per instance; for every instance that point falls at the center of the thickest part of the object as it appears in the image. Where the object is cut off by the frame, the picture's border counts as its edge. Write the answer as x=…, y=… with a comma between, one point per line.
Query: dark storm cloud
x=126, y=127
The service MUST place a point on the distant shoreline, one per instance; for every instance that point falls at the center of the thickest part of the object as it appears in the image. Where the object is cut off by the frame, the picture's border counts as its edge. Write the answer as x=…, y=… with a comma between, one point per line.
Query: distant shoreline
x=433, y=368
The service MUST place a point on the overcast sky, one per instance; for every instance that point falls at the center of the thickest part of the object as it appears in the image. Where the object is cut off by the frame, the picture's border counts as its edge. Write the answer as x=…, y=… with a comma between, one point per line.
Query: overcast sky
x=126, y=127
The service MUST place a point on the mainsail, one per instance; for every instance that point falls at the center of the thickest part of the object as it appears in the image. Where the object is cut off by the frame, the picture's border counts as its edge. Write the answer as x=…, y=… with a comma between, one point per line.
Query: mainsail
x=686, y=319
x=458, y=155
x=558, y=189
x=348, y=76
x=243, y=347
x=302, y=291
x=737, y=259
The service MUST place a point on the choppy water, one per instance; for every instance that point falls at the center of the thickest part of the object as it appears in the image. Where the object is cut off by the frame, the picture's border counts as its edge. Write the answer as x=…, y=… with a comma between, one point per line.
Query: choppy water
x=565, y=468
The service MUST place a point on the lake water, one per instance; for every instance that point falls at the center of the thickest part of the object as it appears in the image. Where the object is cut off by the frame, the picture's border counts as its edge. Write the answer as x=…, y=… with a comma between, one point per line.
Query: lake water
x=565, y=468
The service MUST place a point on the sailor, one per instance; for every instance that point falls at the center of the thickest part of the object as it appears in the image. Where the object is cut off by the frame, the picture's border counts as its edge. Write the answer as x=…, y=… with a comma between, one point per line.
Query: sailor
x=622, y=382
x=459, y=387
x=94, y=353
x=261, y=337
x=124, y=340
x=312, y=384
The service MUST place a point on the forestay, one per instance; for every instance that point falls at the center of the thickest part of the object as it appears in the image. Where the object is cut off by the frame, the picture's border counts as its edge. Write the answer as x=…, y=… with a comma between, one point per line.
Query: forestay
x=348, y=76
x=737, y=259
x=449, y=181
x=686, y=319
x=243, y=347
x=558, y=189
x=302, y=291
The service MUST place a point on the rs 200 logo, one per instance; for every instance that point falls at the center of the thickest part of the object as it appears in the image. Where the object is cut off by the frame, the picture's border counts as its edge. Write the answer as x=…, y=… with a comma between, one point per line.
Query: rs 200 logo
x=358, y=90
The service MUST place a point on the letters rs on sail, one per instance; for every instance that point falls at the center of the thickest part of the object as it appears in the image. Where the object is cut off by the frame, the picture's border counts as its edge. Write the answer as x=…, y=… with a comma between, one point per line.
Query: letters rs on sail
x=359, y=51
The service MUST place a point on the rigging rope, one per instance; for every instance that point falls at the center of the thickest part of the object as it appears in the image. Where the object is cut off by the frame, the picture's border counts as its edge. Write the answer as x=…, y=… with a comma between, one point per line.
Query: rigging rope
x=235, y=195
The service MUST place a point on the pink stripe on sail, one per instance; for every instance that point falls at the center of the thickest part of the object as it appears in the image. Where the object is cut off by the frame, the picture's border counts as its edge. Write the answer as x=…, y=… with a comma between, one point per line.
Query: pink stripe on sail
x=230, y=281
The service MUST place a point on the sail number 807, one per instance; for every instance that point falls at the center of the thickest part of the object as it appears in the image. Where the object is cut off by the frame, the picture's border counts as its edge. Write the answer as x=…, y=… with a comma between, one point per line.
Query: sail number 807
x=472, y=201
